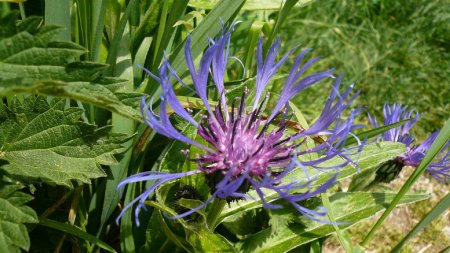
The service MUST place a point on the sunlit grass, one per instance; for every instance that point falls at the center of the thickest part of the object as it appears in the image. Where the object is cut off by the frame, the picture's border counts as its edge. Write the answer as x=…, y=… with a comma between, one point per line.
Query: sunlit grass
x=394, y=51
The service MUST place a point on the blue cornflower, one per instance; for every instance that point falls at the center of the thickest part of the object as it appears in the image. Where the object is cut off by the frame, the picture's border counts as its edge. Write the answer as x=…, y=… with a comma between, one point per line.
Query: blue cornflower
x=244, y=148
x=439, y=169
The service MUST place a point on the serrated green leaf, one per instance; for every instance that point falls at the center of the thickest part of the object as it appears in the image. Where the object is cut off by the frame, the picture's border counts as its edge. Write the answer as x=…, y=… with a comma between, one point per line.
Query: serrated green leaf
x=254, y=220
x=44, y=141
x=281, y=218
x=205, y=241
x=31, y=63
x=347, y=207
x=13, y=215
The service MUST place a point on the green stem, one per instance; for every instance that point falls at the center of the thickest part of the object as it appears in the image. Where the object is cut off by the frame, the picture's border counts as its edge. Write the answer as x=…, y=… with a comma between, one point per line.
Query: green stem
x=441, y=207
x=344, y=243
x=216, y=208
x=22, y=11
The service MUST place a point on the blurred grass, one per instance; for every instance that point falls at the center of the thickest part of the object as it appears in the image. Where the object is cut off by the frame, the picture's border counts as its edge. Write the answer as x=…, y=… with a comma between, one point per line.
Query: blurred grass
x=395, y=52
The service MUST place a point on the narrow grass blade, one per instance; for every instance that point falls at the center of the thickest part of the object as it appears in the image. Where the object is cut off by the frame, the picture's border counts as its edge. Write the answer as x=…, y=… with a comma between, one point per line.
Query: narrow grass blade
x=114, y=47
x=208, y=28
x=148, y=24
x=446, y=250
x=99, y=10
x=126, y=224
x=346, y=244
x=442, y=206
x=374, y=132
x=437, y=145
x=287, y=7
x=252, y=40
x=60, y=17
x=177, y=10
x=123, y=125
x=73, y=230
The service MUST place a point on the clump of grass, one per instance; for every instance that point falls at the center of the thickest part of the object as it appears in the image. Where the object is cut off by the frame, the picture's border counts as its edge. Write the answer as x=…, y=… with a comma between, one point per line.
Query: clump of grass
x=395, y=52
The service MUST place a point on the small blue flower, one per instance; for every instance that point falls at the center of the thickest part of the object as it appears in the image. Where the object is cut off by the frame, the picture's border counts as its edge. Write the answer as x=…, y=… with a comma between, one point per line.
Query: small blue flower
x=244, y=148
x=439, y=169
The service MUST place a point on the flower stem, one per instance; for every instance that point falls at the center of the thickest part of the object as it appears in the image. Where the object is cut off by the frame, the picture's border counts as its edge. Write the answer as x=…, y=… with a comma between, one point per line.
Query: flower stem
x=216, y=208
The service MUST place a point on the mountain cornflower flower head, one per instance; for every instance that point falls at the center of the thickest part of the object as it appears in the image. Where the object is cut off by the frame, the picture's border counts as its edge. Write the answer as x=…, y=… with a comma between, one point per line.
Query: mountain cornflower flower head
x=440, y=168
x=246, y=149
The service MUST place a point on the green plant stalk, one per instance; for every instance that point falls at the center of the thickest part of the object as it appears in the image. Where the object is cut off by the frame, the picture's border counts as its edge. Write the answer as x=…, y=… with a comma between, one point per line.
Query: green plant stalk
x=57, y=12
x=252, y=41
x=437, y=145
x=374, y=132
x=446, y=250
x=177, y=240
x=213, y=215
x=22, y=11
x=282, y=15
x=159, y=35
x=99, y=10
x=440, y=207
x=115, y=44
x=126, y=224
x=344, y=243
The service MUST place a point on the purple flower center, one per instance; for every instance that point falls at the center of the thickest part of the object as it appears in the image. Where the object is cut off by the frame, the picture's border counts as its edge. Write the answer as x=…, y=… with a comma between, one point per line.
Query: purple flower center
x=244, y=142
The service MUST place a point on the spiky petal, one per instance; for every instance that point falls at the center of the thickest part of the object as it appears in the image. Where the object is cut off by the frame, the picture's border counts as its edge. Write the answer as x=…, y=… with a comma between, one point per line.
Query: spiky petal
x=440, y=168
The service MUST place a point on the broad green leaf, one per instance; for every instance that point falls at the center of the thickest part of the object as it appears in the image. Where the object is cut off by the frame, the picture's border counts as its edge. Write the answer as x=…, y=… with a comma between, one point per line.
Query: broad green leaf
x=157, y=241
x=31, y=63
x=371, y=156
x=255, y=220
x=149, y=23
x=205, y=241
x=73, y=230
x=347, y=207
x=43, y=141
x=315, y=246
x=249, y=4
x=200, y=238
x=13, y=215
